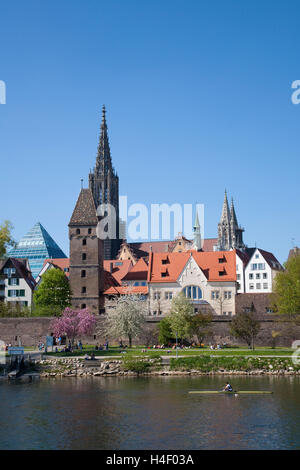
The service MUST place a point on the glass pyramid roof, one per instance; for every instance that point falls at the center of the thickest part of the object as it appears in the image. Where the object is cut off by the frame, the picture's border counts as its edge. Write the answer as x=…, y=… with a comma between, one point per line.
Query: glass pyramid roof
x=37, y=245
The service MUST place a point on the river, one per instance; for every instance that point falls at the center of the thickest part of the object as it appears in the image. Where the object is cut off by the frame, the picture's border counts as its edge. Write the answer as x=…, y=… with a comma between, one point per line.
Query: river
x=149, y=413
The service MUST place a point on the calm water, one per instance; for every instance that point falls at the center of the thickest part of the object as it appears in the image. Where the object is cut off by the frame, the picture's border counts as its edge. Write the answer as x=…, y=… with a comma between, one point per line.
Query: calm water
x=157, y=413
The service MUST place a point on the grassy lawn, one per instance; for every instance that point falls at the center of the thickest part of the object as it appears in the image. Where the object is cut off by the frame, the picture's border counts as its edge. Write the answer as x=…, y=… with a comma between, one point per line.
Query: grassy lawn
x=140, y=351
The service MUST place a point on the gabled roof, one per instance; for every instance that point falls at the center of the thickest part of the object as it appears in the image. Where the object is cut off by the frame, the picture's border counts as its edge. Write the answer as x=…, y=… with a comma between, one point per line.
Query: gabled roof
x=269, y=257
x=21, y=268
x=117, y=268
x=85, y=210
x=162, y=271
x=60, y=263
x=138, y=272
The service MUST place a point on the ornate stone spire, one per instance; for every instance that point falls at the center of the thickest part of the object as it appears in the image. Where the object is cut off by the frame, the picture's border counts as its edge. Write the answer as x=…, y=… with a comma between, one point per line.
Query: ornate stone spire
x=233, y=218
x=225, y=217
x=224, y=228
x=103, y=160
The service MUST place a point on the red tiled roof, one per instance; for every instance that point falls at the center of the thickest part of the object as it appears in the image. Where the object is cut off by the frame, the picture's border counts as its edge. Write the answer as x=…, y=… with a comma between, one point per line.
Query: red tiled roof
x=207, y=261
x=60, y=263
x=209, y=243
x=119, y=268
x=123, y=290
x=138, y=272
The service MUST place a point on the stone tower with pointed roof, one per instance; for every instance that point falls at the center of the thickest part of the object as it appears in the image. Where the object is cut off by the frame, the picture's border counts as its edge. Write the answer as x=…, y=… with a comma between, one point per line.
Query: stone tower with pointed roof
x=86, y=255
x=104, y=185
x=197, y=245
x=230, y=234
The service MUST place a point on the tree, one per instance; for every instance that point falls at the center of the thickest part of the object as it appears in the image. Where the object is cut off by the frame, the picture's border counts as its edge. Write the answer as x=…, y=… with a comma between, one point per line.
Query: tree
x=199, y=325
x=275, y=334
x=286, y=289
x=246, y=327
x=54, y=292
x=6, y=239
x=74, y=323
x=165, y=332
x=125, y=317
x=180, y=316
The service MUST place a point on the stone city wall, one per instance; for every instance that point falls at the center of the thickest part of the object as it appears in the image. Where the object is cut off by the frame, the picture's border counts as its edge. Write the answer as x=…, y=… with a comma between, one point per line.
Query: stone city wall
x=29, y=331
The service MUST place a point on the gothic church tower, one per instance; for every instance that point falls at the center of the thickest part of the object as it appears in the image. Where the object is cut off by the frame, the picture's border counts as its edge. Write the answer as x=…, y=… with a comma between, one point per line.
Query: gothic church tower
x=230, y=234
x=104, y=185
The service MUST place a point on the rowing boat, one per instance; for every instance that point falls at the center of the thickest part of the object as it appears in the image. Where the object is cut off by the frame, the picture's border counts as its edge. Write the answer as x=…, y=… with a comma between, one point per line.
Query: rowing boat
x=250, y=392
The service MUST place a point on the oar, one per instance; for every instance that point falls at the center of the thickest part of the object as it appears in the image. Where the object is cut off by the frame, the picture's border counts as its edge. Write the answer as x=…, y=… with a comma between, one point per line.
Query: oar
x=259, y=392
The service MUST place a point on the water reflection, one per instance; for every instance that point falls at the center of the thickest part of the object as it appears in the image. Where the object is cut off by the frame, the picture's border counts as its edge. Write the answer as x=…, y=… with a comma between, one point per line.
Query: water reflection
x=149, y=413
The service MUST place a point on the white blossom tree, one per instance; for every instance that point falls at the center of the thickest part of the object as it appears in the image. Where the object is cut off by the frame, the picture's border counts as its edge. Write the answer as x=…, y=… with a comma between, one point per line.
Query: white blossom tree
x=125, y=317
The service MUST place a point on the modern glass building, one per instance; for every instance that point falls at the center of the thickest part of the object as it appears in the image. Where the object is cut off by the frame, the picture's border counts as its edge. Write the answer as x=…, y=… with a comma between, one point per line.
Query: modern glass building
x=37, y=245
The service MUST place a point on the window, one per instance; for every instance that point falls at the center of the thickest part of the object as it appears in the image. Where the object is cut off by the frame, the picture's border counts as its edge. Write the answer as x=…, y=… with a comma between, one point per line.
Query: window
x=83, y=290
x=83, y=273
x=222, y=273
x=229, y=314
x=89, y=231
x=258, y=285
x=250, y=276
x=84, y=242
x=16, y=293
x=265, y=275
x=78, y=231
x=13, y=281
x=154, y=312
x=238, y=276
x=168, y=295
x=253, y=267
x=261, y=266
x=83, y=305
x=215, y=294
x=164, y=274
x=156, y=295
x=257, y=276
x=257, y=256
x=265, y=285
x=83, y=256
x=227, y=294
x=251, y=286
x=193, y=292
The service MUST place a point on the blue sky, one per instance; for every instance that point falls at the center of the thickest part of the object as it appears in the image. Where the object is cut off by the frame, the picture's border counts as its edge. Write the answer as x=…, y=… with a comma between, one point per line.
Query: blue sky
x=198, y=98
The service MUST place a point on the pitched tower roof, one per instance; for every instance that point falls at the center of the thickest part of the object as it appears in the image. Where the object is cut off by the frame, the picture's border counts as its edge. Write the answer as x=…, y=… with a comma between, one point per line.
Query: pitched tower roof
x=85, y=210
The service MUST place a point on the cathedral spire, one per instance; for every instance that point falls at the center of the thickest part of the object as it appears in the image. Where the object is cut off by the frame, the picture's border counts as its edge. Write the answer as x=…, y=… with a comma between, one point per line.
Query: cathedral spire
x=233, y=218
x=225, y=217
x=103, y=161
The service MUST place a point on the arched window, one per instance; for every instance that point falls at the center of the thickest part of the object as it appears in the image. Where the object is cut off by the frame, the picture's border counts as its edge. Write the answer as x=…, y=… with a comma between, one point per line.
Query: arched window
x=193, y=292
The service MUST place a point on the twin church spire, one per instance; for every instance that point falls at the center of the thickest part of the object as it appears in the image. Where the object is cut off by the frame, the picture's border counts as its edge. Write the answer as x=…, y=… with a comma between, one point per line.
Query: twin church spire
x=230, y=234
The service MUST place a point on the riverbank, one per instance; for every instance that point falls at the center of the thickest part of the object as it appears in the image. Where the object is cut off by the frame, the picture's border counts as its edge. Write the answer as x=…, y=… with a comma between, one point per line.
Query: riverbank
x=132, y=366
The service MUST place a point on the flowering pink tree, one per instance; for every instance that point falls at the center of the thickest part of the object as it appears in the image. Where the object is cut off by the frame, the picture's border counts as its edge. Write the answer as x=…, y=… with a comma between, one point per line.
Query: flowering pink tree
x=74, y=323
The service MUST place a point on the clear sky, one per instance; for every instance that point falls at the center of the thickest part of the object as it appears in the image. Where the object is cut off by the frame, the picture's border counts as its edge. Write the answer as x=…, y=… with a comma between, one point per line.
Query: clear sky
x=198, y=98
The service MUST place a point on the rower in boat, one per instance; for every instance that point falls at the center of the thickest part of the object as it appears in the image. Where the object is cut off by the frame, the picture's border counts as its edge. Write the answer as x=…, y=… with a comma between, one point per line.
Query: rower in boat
x=228, y=388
